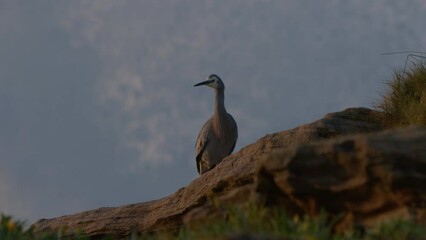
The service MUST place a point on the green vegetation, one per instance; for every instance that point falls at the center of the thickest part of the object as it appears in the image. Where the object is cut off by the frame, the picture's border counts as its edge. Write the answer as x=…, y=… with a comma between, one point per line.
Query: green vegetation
x=274, y=223
x=11, y=229
x=260, y=221
x=405, y=101
x=249, y=221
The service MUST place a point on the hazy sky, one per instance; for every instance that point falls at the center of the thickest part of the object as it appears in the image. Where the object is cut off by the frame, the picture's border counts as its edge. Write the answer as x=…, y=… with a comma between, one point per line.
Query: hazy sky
x=96, y=98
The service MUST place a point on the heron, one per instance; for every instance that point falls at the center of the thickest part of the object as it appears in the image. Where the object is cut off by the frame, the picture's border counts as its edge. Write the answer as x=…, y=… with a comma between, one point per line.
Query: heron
x=218, y=136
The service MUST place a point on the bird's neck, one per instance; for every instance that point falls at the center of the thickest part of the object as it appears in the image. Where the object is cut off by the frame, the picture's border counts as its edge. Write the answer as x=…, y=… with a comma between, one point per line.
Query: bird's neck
x=220, y=114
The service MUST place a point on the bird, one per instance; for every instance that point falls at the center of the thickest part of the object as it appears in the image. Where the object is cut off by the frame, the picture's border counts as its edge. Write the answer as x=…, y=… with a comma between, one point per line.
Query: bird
x=219, y=134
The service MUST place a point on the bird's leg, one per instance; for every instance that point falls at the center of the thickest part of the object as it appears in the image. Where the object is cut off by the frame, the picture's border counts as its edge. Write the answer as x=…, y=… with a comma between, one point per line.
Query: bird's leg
x=201, y=168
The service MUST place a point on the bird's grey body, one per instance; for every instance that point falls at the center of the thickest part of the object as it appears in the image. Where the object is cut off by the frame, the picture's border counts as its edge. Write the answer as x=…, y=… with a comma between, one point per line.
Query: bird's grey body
x=218, y=136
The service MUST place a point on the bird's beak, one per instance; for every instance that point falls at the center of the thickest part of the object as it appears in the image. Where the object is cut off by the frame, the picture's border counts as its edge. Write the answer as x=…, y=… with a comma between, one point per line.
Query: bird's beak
x=203, y=83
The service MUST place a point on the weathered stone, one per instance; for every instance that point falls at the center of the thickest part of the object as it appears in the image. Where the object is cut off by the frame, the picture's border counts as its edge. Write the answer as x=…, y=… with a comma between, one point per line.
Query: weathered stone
x=368, y=178
x=235, y=171
x=246, y=236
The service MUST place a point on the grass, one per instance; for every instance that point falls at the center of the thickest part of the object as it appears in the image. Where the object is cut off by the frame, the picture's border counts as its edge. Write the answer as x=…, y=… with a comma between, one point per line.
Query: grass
x=405, y=101
x=275, y=224
x=11, y=229
x=262, y=222
x=248, y=221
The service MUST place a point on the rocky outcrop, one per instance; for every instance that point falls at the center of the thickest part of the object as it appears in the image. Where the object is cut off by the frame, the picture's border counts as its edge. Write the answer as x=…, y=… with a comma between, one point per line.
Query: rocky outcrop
x=368, y=178
x=365, y=179
x=232, y=179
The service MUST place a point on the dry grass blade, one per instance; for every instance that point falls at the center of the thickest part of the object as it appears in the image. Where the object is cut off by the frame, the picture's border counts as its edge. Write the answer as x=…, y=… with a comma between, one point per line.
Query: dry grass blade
x=405, y=101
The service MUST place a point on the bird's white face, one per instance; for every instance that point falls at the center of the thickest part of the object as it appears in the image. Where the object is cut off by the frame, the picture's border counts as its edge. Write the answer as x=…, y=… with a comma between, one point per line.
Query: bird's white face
x=213, y=82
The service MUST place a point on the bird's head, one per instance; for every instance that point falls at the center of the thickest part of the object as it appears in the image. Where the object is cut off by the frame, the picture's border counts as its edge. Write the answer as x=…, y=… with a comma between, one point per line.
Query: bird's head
x=212, y=81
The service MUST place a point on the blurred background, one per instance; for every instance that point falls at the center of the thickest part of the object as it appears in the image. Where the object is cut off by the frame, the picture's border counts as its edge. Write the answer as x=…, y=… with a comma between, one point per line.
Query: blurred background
x=97, y=105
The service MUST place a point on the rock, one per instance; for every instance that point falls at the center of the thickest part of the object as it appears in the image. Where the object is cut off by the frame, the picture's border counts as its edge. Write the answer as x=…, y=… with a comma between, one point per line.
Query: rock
x=368, y=178
x=349, y=121
x=247, y=236
x=232, y=177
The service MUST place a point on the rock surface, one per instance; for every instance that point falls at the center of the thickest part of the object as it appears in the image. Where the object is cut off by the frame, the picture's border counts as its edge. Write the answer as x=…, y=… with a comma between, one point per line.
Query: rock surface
x=370, y=178
x=232, y=178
